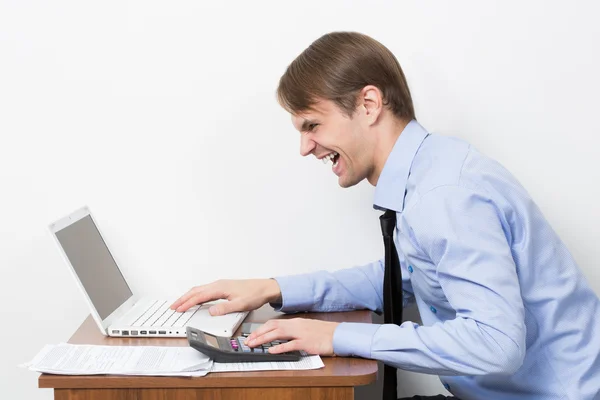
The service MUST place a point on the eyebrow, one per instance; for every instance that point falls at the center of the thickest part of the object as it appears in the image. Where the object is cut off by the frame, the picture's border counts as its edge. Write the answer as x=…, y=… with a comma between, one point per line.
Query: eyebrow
x=306, y=124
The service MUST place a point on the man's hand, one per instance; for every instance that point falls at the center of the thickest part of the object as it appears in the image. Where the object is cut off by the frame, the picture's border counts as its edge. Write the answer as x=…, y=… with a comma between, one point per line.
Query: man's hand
x=243, y=295
x=310, y=335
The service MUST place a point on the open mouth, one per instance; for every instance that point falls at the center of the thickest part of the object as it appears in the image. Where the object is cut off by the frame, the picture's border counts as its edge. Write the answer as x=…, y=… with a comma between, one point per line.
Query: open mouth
x=333, y=157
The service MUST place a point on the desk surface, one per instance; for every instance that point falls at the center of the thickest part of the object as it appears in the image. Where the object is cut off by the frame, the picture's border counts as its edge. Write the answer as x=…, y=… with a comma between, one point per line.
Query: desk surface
x=338, y=371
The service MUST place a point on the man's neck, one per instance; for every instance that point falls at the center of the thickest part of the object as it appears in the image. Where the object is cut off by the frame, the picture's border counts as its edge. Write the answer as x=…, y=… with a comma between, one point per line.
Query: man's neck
x=388, y=131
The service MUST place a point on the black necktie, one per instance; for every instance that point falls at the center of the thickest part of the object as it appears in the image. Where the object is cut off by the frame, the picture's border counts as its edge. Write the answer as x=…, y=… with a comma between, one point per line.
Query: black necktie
x=392, y=294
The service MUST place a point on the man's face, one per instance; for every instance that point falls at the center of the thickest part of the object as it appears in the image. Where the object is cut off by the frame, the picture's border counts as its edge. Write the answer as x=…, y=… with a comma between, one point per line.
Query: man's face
x=329, y=134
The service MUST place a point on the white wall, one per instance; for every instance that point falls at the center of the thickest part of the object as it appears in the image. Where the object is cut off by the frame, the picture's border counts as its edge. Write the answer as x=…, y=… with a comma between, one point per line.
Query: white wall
x=161, y=116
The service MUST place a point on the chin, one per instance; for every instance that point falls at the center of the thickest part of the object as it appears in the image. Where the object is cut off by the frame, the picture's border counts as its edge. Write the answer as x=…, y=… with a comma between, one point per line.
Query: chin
x=344, y=182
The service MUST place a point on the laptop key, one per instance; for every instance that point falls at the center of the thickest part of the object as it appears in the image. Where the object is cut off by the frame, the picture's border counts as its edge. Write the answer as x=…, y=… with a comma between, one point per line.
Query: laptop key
x=185, y=317
x=143, y=320
x=163, y=317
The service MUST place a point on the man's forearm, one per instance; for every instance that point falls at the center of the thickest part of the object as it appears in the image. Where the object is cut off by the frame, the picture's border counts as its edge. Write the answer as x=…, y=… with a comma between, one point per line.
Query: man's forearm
x=343, y=290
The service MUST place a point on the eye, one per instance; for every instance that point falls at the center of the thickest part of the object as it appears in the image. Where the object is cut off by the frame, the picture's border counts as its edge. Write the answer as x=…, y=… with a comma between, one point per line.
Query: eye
x=312, y=127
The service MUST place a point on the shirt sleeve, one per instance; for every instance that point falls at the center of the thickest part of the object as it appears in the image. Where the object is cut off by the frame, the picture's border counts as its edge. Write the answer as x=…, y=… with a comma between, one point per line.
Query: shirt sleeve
x=343, y=290
x=466, y=236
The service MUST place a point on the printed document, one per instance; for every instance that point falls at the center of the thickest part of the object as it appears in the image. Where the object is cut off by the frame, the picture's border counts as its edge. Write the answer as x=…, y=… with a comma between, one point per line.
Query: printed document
x=70, y=359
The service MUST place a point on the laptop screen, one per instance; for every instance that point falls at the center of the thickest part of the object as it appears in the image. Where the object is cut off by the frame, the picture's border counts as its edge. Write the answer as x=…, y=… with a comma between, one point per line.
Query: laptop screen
x=94, y=265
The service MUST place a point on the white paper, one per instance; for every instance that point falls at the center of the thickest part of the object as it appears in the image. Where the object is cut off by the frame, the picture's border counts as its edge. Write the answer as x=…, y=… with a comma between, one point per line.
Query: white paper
x=72, y=359
x=308, y=362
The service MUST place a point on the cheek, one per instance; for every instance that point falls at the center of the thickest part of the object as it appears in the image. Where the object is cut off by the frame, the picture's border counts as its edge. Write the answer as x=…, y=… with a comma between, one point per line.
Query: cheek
x=355, y=142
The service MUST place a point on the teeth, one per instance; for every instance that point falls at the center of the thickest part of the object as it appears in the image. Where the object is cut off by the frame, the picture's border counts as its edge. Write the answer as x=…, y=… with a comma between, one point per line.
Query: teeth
x=329, y=157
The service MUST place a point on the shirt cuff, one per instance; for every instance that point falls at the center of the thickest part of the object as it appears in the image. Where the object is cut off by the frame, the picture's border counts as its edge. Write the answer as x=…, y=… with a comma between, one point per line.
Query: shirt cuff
x=354, y=339
x=294, y=290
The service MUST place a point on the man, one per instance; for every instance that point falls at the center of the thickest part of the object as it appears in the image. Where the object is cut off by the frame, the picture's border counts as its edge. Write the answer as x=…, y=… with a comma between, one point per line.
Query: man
x=506, y=312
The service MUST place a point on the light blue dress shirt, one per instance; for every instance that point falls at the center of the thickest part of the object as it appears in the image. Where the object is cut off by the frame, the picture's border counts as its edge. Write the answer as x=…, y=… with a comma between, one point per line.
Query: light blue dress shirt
x=506, y=312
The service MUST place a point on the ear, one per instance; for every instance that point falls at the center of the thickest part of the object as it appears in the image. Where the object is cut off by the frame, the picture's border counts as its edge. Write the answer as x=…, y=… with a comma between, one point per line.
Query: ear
x=371, y=101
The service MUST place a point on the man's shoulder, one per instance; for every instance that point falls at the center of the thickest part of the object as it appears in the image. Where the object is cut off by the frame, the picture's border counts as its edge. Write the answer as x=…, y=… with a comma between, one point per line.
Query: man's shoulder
x=439, y=162
x=444, y=161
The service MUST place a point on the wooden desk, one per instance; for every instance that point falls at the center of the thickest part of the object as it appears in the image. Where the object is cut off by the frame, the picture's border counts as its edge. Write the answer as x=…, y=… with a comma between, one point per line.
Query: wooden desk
x=336, y=381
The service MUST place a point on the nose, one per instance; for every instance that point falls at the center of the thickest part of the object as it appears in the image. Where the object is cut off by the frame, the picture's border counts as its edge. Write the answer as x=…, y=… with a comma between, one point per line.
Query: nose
x=307, y=145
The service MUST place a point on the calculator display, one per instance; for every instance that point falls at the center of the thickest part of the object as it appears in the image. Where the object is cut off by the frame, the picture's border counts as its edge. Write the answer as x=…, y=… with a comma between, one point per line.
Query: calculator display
x=211, y=340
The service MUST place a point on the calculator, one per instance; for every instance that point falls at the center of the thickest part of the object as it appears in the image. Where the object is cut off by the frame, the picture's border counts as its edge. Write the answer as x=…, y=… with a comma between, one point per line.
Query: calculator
x=227, y=350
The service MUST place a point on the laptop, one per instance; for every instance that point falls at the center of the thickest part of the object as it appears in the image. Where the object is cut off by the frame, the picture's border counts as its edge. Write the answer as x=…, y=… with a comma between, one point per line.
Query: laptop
x=115, y=308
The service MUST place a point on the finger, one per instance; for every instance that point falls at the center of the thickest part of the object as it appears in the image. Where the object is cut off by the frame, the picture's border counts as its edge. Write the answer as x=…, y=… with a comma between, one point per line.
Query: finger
x=185, y=297
x=182, y=304
x=285, y=347
x=264, y=328
x=227, y=307
x=266, y=338
x=275, y=330
x=202, y=295
x=196, y=299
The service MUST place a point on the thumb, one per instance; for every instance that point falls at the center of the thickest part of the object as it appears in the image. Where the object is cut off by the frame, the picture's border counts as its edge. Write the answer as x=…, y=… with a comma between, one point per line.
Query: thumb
x=225, y=307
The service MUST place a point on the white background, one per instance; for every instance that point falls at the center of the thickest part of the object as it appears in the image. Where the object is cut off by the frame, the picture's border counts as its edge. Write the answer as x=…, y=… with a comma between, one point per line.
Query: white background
x=161, y=116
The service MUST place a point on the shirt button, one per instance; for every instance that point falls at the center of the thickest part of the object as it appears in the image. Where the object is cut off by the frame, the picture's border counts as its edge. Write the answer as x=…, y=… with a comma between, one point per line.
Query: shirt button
x=433, y=310
x=410, y=269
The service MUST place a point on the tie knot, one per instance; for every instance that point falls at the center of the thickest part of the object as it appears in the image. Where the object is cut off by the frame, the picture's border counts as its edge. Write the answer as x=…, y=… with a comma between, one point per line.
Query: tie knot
x=388, y=223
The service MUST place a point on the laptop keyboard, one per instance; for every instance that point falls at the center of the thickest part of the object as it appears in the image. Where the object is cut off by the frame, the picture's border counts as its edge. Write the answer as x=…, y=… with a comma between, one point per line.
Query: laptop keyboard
x=159, y=314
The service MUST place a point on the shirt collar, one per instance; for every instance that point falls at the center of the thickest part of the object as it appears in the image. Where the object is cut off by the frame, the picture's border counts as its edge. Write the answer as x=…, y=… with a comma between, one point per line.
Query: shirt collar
x=391, y=186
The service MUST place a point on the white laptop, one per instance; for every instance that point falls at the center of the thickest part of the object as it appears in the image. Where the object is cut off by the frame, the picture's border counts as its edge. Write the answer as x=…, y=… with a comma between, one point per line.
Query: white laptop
x=116, y=310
